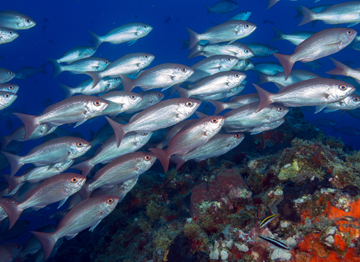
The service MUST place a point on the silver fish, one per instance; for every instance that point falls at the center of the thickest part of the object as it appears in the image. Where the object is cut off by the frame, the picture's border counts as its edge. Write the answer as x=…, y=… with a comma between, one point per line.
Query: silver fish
x=229, y=31
x=222, y=7
x=70, y=110
x=312, y=92
x=77, y=53
x=119, y=170
x=316, y=9
x=321, y=44
x=28, y=71
x=266, y=127
x=9, y=88
x=162, y=115
x=15, y=20
x=126, y=33
x=6, y=99
x=241, y=16
x=87, y=213
x=344, y=70
x=54, y=189
x=173, y=131
x=244, y=65
x=294, y=77
x=240, y=51
x=6, y=75
x=348, y=103
x=268, y=68
x=120, y=101
x=160, y=76
x=223, y=95
x=109, y=150
x=262, y=50
x=235, y=102
x=295, y=38
x=7, y=35
x=119, y=190
x=54, y=151
x=149, y=98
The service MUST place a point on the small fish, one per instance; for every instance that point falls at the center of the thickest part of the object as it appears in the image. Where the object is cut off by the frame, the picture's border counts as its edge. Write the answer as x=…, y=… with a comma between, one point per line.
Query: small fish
x=347, y=130
x=149, y=98
x=267, y=220
x=222, y=95
x=222, y=7
x=235, y=102
x=120, y=101
x=28, y=71
x=268, y=68
x=241, y=16
x=7, y=35
x=344, y=70
x=350, y=102
x=6, y=99
x=229, y=31
x=240, y=51
x=279, y=79
x=266, y=127
x=244, y=65
x=295, y=38
x=262, y=50
x=126, y=33
x=77, y=53
x=275, y=242
x=315, y=9
x=6, y=75
x=15, y=20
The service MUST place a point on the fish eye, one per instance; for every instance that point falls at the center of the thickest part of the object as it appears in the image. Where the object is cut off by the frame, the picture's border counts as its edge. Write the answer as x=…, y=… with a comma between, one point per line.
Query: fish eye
x=280, y=109
x=117, y=79
x=349, y=32
x=228, y=59
x=246, y=26
x=147, y=157
x=246, y=50
x=28, y=20
x=145, y=26
x=6, y=95
x=79, y=144
x=158, y=94
x=11, y=32
x=74, y=180
x=11, y=87
x=133, y=96
x=106, y=62
x=237, y=136
x=97, y=103
x=10, y=73
x=183, y=69
x=91, y=49
x=146, y=56
x=356, y=99
x=214, y=121
x=342, y=87
x=247, y=62
x=270, y=49
x=189, y=104
x=237, y=75
x=110, y=201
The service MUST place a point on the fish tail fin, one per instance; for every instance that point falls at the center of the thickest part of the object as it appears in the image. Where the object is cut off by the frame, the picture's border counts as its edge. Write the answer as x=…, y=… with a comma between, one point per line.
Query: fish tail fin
x=85, y=167
x=286, y=62
x=209, y=10
x=183, y=92
x=127, y=83
x=195, y=51
x=298, y=11
x=42, y=68
x=15, y=162
x=47, y=241
x=118, y=130
x=68, y=91
x=271, y=3
x=308, y=15
x=29, y=122
x=340, y=69
x=97, y=39
x=178, y=160
x=5, y=142
x=194, y=37
x=278, y=35
x=95, y=77
x=85, y=192
x=185, y=44
x=263, y=78
x=162, y=156
x=219, y=106
x=264, y=98
x=57, y=67
x=12, y=181
x=12, y=210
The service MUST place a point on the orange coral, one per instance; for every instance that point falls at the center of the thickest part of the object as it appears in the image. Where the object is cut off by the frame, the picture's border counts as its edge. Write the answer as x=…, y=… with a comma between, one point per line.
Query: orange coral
x=339, y=242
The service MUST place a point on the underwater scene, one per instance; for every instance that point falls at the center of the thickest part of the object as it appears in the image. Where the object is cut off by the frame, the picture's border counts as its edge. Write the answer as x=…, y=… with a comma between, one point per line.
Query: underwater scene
x=179, y=131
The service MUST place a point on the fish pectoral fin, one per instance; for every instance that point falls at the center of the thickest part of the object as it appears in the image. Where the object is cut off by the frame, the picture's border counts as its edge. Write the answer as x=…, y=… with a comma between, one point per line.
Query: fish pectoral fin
x=80, y=123
x=70, y=236
x=330, y=110
x=352, y=24
x=232, y=41
x=164, y=88
x=62, y=202
x=319, y=108
x=335, y=44
x=133, y=41
x=36, y=208
x=95, y=225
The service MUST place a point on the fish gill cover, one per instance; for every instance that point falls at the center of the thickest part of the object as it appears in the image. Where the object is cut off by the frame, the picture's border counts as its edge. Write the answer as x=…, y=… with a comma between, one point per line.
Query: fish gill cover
x=250, y=107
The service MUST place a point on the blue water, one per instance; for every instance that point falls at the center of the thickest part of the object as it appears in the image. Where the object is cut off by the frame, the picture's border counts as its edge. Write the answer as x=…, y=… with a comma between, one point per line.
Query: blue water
x=63, y=25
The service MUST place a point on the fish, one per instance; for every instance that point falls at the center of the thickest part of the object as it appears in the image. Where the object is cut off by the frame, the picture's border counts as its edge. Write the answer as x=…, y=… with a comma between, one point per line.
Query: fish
x=6, y=75
x=240, y=51
x=19, y=134
x=262, y=50
x=229, y=31
x=70, y=110
x=161, y=76
x=126, y=33
x=37, y=174
x=191, y=136
x=315, y=9
x=324, y=122
x=128, y=64
x=118, y=171
x=6, y=99
x=267, y=220
x=312, y=92
x=54, y=151
x=77, y=53
x=80, y=66
x=173, y=131
x=7, y=35
x=344, y=70
x=241, y=16
x=343, y=13
x=295, y=38
x=105, y=132
x=149, y=98
x=15, y=20
x=265, y=127
x=51, y=190
x=7, y=87
x=350, y=102
x=321, y=44
x=244, y=65
x=9, y=251
x=161, y=115
x=109, y=150
x=119, y=190
x=313, y=64
x=28, y=71
x=86, y=88
x=223, y=95
x=213, y=84
x=268, y=68
x=87, y=214
x=120, y=101
x=235, y=102
x=279, y=79
x=275, y=242
x=347, y=130
x=222, y=7
x=218, y=145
